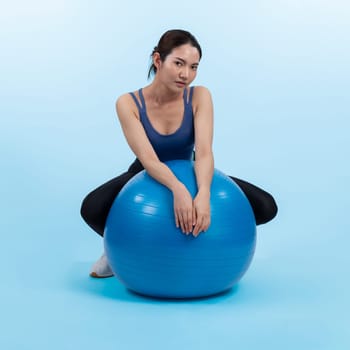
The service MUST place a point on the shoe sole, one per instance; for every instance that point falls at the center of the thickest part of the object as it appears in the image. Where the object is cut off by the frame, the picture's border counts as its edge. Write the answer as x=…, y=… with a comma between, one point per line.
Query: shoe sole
x=95, y=275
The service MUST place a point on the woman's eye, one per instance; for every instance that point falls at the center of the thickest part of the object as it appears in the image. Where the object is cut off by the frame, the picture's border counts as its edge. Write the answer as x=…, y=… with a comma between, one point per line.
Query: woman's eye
x=179, y=64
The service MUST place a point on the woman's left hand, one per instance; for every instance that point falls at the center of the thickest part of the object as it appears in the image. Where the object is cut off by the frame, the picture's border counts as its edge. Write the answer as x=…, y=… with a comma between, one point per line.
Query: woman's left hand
x=201, y=208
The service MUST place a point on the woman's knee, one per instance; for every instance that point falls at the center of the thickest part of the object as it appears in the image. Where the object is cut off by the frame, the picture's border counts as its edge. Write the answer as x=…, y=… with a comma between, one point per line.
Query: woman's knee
x=92, y=215
x=96, y=205
x=88, y=209
x=267, y=210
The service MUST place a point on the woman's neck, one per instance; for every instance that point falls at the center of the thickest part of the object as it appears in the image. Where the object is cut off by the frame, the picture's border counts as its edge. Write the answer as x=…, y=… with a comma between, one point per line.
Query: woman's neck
x=159, y=94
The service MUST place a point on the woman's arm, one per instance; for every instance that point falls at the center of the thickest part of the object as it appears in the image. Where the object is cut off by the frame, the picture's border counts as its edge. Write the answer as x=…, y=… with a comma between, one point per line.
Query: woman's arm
x=138, y=141
x=204, y=163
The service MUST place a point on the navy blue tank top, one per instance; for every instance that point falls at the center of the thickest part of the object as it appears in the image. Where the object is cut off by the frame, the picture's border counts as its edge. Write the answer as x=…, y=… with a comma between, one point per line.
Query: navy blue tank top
x=178, y=145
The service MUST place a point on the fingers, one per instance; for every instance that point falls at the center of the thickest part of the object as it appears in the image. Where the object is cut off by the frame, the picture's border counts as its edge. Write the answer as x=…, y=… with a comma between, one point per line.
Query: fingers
x=192, y=221
x=184, y=220
x=202, y=224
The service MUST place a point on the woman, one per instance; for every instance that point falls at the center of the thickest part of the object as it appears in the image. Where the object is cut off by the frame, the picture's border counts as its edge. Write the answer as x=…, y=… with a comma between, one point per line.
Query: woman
x=168, y=120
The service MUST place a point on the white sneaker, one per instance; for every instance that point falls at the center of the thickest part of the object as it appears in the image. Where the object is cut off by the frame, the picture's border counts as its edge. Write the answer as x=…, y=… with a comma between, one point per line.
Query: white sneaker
x=101, y=268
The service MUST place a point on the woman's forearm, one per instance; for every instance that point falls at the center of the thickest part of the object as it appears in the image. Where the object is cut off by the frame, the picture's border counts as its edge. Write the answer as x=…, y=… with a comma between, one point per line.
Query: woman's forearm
x=161, y=173
x=204, y=168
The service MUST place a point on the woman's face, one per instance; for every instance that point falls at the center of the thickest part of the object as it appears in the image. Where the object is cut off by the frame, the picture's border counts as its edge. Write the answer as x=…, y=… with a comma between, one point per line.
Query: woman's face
x=179, y=68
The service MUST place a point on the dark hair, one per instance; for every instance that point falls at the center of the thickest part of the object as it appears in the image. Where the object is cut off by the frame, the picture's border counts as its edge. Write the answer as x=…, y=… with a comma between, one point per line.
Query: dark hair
x=169, y=41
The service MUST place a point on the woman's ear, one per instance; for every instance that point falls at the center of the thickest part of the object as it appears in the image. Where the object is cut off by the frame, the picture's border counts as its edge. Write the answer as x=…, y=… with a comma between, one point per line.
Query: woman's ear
x=156, y=60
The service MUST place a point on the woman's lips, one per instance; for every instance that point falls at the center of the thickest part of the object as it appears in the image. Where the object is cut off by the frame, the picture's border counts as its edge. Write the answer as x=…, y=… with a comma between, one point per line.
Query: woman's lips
x=180, y=83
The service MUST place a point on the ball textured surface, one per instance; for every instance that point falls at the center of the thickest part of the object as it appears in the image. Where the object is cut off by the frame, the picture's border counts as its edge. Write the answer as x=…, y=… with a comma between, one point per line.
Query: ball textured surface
x=151, y=256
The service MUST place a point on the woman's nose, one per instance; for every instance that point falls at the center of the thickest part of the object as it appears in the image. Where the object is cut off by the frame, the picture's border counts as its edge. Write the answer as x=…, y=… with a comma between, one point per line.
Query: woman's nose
x=184, y=73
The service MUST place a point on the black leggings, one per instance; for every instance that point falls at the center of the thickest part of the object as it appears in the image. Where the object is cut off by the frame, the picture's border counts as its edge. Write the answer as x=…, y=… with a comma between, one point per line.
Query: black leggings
x=96, y=205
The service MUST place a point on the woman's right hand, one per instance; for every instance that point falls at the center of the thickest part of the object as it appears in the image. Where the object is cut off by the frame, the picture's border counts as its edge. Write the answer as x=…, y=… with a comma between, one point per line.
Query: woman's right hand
x=183, y=209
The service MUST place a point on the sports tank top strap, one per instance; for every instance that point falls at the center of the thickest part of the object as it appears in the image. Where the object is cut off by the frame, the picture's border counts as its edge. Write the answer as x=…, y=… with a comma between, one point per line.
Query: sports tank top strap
x=139, y=106
x=188, y=96
x=142, y=99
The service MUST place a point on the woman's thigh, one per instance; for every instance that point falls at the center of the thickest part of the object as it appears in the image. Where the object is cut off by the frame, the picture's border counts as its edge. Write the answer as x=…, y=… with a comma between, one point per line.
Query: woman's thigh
x=96, y=205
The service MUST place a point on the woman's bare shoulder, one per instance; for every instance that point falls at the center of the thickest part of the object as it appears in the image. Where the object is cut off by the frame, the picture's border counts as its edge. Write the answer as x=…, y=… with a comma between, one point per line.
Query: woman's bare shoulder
x=200, y=89
x=201, y=96
x=126, y=104
x=124, y=99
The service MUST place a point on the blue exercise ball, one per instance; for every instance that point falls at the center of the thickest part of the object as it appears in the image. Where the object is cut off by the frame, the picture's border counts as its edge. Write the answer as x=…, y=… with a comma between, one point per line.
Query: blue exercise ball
x=151, y=256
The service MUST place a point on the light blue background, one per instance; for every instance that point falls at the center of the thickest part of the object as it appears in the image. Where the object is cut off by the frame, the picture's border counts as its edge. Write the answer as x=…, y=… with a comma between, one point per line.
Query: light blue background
x=279, y=75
